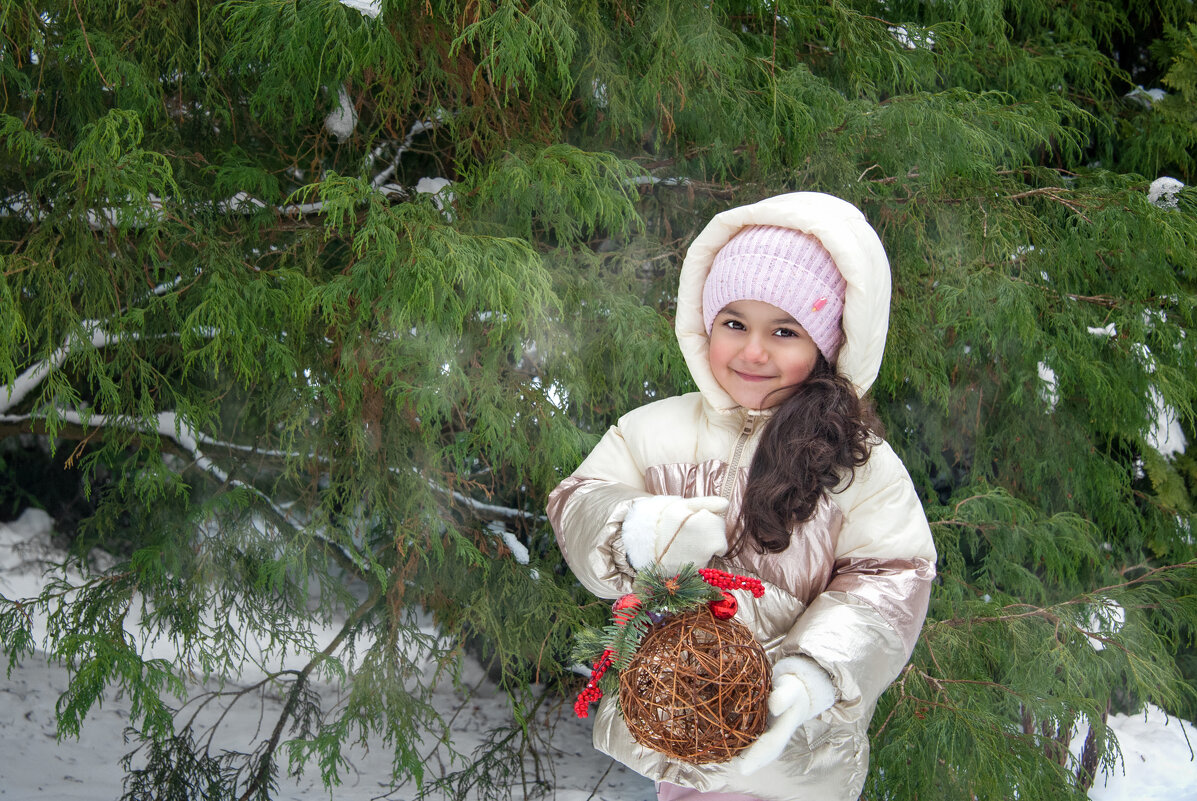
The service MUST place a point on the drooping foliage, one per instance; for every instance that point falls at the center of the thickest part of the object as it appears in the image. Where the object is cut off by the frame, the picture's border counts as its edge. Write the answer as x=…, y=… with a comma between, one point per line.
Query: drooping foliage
x=304, y=310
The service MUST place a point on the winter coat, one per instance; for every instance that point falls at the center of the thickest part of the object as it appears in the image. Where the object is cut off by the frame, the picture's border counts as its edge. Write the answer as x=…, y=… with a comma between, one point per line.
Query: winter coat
x=850, y=591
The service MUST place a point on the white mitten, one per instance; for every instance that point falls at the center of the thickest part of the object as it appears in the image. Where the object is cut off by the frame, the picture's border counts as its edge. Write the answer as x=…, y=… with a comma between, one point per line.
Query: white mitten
x=801, y=690
x=671, y=531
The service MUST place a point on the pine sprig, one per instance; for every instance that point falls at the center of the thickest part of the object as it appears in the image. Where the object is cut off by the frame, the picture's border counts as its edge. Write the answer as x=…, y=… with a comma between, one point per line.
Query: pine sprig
x=667, y=593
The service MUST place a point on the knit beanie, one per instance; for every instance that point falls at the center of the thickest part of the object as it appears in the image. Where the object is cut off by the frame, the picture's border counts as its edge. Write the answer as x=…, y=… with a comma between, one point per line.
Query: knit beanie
x=787, y=268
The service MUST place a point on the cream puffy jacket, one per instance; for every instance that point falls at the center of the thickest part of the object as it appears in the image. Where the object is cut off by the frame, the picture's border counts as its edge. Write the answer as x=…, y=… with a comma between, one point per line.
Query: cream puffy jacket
x=851, y=590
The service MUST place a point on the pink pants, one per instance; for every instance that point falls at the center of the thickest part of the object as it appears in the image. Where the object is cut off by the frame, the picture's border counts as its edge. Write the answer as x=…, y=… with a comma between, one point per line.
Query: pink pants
x=674, y=792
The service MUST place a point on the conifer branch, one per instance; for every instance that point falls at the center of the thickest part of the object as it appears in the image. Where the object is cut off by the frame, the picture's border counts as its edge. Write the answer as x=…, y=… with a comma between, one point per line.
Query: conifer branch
x=1055, y=193
x=29, y=380
x=481, y=509
x=1051, y=615
x=258, y=782
x=1097, y=300
x=87, y=41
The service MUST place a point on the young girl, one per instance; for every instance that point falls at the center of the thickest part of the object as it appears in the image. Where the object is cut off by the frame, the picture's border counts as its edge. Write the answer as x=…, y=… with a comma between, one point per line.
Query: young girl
x=770, y=470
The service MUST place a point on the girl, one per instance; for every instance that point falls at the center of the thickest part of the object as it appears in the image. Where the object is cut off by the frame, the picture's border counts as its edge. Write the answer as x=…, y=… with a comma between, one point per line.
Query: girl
x=770, y=470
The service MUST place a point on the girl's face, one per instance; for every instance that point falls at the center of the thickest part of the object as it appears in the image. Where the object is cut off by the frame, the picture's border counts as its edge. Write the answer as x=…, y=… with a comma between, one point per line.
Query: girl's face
x=757, y=349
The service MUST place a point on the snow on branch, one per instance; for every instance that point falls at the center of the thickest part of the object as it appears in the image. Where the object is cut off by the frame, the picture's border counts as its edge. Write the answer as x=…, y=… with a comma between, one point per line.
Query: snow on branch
x=29, y=380
x=1163, y=192
x=417, y=128
x=483, y=510
x=94, y=334
x=519, y=551
x=486, y=511
x=170, y=425
x=652, y=180
x=340, y=123
x=342, y=120
x=369, y=8
x=166, y=424
x=494, y=513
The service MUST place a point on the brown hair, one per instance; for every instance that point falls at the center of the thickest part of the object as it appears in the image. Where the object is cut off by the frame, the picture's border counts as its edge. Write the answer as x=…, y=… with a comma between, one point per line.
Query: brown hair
x=815, y=438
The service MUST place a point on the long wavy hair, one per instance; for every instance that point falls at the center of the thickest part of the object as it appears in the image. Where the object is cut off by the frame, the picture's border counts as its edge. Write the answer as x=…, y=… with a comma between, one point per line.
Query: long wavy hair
x=813, y=443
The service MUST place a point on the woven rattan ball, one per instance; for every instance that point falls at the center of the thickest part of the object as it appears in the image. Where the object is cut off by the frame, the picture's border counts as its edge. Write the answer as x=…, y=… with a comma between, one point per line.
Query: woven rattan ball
x=696, y=690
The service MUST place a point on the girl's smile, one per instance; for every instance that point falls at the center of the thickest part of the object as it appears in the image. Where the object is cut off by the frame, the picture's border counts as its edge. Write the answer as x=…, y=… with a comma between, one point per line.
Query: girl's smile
x=756, y=349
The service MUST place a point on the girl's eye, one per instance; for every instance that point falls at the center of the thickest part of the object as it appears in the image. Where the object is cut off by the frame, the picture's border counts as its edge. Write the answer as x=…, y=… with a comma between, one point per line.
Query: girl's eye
x=786, y=332
x=734, y=325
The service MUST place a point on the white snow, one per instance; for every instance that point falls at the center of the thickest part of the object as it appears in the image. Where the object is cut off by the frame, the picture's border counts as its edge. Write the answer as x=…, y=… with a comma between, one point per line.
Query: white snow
x=432, y=186
x=341, y=121
x=1021, y=252
x=1165, y=434
x=1105, y=619
x=370, y=8
x=1146, y=97
x=912, y=39
x=519, y=551
x=1163, y=191
x=652, y=180
x=1049, y=390
x=442, y=196
x=600, y=92
x=241, y=202
x=1157, y=763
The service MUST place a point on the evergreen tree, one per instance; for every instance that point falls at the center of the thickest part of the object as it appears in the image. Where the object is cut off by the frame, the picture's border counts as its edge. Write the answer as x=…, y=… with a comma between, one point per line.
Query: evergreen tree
x=311, y=305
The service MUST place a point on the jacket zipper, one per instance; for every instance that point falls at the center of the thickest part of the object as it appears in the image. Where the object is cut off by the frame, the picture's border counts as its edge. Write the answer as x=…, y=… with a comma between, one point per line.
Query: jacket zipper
x=733, y=467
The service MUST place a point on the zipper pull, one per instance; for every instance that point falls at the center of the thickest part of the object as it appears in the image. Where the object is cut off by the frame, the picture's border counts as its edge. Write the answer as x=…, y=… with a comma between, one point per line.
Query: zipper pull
x=733, y=465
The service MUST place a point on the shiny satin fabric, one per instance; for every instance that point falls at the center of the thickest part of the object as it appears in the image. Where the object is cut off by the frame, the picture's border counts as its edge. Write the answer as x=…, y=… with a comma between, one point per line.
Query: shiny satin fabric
x=675, y=792
x=899, y=589
x=594, y=549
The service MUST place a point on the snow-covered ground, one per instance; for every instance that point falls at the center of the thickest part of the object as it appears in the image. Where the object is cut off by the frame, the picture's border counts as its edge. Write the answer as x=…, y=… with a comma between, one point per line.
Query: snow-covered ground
x=1157, y=761
x=34, y=763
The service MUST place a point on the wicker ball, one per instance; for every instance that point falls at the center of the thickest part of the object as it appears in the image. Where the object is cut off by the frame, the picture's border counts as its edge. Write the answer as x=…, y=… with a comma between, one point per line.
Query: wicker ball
x=697, y=688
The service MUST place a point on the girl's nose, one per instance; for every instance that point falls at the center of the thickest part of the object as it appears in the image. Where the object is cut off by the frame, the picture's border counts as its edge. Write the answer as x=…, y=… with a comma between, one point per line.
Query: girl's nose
x=754, y=350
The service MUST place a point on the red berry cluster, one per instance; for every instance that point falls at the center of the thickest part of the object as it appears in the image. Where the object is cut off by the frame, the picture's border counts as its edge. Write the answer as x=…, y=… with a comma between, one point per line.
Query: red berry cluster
x=723, y=580
x=623, y=611
x=591, y=693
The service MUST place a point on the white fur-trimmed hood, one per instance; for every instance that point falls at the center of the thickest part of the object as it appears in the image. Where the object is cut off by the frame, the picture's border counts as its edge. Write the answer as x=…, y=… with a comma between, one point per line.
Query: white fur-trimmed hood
x=857, y=252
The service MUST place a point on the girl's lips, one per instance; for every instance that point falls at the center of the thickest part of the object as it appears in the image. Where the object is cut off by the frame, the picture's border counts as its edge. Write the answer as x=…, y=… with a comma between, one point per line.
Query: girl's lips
x=751, y=377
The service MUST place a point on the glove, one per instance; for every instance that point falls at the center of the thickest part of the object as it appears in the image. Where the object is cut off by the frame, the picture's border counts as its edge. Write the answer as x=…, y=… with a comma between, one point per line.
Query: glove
x=671, y=531
x=801, y=691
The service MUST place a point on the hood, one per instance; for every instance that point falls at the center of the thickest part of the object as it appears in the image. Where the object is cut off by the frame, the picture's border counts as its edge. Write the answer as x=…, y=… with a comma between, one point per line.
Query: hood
x=857, y=252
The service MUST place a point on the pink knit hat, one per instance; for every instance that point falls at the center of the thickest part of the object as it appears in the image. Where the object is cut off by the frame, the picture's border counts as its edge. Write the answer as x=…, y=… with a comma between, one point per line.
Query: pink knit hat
x=785, y=267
